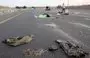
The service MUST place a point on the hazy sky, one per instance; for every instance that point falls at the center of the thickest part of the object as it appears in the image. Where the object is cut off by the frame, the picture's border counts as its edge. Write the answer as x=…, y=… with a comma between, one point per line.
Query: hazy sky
x=42, y=2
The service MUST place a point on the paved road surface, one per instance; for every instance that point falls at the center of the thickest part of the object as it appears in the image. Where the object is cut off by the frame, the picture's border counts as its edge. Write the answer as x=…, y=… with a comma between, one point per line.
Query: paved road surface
x=74, y=27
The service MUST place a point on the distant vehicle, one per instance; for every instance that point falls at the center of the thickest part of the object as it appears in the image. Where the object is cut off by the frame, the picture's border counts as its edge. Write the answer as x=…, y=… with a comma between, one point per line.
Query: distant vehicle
x=33, y=7
x=16, y=41
x=24, y=7
x=71, y=49
x=47, y=8
x=19, y=7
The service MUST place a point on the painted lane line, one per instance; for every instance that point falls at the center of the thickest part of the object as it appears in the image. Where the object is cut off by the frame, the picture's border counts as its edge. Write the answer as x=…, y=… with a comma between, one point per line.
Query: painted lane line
x=51, y=25
x=9, y=18
x=80, y=24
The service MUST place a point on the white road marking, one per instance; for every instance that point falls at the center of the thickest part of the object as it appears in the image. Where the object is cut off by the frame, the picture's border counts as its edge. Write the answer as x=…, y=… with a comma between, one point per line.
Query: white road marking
x=80, y=24
x=9, y=18
x=51, y=25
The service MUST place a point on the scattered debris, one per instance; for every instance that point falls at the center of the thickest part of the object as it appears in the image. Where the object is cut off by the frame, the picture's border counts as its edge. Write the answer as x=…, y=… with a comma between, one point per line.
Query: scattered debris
x=53, y=48
x=15, y=41
x=71, y=49
x=29, y=52
x=66, y=12
x=45, y=15
x=59, y=13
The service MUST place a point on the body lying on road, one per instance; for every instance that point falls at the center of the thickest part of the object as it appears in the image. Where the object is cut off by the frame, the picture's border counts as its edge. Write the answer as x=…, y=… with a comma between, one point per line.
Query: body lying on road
x=15, y=41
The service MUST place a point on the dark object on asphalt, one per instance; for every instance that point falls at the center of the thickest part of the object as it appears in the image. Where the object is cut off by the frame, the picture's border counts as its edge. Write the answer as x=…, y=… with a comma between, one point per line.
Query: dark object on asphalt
x=47, y=15
x=53, y=48
x=59, y=13
x=16, y=41
x=71, y=49
x=47, y=8
x=66, y=13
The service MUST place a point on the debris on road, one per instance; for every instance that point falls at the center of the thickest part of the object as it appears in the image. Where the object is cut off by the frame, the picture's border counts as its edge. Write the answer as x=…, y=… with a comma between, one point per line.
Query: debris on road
x=45, y=15
x=71, y=49
x=15, y=41
x=53, y=48
x=34, y=53
x=59, y=13
x=66, y=12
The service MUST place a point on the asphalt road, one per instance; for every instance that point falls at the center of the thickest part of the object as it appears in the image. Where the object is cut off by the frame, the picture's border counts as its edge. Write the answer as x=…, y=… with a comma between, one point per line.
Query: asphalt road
x=74, y=27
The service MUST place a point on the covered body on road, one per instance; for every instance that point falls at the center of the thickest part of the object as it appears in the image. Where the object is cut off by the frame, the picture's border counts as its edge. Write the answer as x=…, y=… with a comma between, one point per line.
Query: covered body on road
x=71, y=49
x=15, y=41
